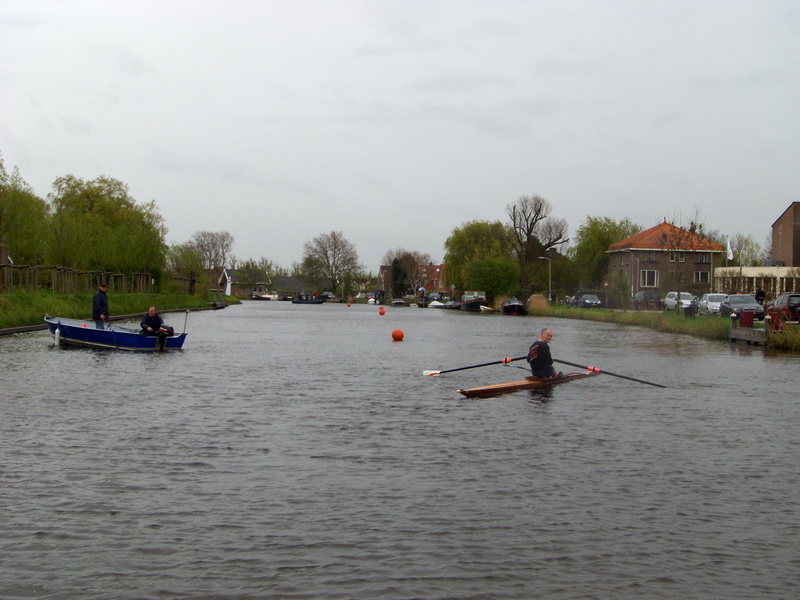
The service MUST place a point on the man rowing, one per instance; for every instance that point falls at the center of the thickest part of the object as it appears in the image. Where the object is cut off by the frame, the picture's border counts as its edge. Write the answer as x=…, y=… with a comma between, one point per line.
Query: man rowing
x=539, y=357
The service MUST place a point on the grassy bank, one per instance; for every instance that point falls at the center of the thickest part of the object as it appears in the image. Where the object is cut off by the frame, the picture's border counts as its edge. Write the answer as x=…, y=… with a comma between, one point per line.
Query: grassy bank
x=29, y=308
x=705, y=326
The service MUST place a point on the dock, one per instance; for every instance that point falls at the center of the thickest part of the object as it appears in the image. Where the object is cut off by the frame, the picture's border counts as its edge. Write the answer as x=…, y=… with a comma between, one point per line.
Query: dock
x=751, y=335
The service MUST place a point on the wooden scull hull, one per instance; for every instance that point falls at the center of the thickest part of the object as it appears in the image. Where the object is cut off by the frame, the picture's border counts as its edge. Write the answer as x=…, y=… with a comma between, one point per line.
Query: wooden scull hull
x=529, y=383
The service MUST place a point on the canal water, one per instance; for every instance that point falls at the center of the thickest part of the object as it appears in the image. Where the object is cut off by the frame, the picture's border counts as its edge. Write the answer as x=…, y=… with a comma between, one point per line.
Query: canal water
x=298, y=452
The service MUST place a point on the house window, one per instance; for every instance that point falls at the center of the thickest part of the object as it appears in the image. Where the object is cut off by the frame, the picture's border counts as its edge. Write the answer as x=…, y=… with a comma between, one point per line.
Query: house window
x=705, y=258
x=701, y=276
x=680, y=255
x=650, y=256
x=648, y=278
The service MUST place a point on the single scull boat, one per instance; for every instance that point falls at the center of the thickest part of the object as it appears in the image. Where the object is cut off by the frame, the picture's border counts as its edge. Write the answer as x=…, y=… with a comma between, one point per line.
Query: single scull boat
x=529, y=383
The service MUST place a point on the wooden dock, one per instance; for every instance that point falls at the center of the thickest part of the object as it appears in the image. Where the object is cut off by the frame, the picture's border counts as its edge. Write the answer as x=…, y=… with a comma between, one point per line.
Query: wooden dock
x=751, y=335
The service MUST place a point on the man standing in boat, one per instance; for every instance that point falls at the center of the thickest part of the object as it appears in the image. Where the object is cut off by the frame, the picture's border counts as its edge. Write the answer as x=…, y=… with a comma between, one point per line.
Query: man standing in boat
x=152, y=322
x=539, y=357
x=100, y=307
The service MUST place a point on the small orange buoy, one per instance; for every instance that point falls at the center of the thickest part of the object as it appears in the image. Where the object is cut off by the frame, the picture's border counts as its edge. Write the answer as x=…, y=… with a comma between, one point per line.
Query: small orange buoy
x=348, y=305
x=381, y=311
x=397, y=335
x=84, y=325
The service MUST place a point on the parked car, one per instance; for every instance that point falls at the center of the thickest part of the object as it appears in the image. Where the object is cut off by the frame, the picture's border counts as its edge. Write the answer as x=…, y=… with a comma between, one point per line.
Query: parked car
x=643, y=300
x=785, y=307
x=709, y=304
x=586, y=301
x=734, y=304
x=671, y=300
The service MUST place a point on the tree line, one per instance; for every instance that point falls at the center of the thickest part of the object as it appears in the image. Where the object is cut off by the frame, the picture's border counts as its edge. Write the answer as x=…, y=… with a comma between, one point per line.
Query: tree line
x=95, y=225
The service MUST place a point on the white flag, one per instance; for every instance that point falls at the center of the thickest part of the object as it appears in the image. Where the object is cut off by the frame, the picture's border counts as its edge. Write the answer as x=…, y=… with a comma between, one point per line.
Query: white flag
x=730, y=250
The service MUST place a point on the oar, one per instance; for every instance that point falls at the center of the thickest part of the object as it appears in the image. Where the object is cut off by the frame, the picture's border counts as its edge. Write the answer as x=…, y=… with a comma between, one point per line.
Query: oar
x=596, y=370
x=494, y=362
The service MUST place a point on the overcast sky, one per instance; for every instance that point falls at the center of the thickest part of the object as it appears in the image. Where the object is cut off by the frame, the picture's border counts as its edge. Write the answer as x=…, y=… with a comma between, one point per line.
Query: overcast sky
x=397, y=121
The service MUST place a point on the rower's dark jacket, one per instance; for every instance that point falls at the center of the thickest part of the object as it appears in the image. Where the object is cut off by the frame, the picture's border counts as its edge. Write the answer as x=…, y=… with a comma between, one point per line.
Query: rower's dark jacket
x=539, y=355
x=155, y=322
x=99, y=305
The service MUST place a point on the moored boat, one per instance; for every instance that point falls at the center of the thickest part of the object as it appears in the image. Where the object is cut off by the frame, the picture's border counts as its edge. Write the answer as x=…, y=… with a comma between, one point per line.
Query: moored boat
x=304, y=298
x=513, y=306
x=529, y=383
x=78, y=332
x=473, y=301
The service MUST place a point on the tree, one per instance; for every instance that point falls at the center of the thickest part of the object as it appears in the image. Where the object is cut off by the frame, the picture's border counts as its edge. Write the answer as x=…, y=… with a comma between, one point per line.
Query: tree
x=398, y=279
x=183, y=264
x=97, y=225
x=410, y=261
x=329, y=257
x=592, y=240
x=213, y=248
x=533, y=231
x=251, y=272
x=23, y=219
x=493, y=275
x=746, y=251
x=472, y=241
x=680, y=240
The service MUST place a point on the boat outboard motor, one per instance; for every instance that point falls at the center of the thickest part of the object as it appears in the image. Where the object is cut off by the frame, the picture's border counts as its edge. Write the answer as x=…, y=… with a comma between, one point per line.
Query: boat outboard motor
x=164, y=332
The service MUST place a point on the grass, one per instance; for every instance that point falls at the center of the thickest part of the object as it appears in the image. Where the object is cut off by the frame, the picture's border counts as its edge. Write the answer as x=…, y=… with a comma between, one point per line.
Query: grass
x=705, y=326
x=22, y=308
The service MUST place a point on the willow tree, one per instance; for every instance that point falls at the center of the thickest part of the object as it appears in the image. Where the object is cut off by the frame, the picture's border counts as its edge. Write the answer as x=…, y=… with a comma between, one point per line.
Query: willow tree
x=493, y=275
x=97, y=225
x=592, y=239
x=23, y=219
x=473, y=241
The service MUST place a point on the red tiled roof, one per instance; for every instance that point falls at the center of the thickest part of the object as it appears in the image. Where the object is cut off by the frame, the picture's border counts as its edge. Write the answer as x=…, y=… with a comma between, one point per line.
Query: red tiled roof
x=665, y=236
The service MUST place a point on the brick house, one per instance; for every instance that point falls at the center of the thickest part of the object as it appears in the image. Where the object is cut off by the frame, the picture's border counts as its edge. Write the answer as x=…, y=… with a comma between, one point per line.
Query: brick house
x=786, y=238
x=665, y=256
x=432, y=278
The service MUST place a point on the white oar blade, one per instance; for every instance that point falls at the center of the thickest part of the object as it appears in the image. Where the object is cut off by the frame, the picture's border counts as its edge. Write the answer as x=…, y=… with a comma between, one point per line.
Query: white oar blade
x=431, y=373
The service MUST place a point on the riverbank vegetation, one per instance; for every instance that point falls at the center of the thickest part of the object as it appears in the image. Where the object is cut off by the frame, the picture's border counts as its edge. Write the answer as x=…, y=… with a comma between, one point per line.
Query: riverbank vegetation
x=22, y=308
x=709, y=327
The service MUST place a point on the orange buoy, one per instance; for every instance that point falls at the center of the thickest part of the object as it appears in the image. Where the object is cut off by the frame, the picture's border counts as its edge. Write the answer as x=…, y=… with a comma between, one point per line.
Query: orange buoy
x=381, y=311
x=397, y=335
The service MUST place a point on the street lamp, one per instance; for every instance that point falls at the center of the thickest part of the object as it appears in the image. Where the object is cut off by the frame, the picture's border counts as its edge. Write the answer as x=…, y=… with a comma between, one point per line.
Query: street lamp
x=549, y=278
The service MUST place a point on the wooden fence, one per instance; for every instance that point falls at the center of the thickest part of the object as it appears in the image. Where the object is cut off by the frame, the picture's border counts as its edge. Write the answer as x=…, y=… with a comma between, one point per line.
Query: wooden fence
x=64, y=279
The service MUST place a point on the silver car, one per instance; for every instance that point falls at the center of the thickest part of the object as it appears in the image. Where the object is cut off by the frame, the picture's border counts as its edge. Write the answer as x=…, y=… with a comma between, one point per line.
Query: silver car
x=670, y=301
x=709, y=304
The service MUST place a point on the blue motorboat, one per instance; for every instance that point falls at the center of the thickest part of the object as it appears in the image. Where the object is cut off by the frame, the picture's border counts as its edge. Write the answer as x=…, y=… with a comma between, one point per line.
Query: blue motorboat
x=84, y=333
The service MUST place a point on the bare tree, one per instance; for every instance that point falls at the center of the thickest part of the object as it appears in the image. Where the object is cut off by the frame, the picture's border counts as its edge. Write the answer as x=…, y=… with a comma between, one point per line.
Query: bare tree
x=213, y=248
x=330, y=257
x=533, y=231
x=680, y=241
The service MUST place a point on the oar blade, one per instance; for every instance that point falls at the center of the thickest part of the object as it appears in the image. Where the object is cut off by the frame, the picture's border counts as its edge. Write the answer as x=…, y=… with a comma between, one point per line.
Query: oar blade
x=431, y=373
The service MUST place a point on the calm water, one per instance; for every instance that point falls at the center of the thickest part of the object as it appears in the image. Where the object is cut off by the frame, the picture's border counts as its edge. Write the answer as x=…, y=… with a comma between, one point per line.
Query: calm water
x=297, y=452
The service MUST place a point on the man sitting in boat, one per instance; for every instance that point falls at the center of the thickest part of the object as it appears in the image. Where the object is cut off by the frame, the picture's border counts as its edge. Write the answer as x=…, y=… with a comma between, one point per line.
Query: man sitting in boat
x=539, y=357
x=152, y=322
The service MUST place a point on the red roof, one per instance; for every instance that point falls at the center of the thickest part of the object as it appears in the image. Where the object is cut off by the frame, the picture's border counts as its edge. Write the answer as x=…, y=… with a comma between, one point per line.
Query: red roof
x=665, y=236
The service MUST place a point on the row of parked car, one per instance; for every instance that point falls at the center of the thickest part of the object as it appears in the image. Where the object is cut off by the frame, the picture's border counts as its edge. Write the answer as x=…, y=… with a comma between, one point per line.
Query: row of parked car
x=785, y=306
